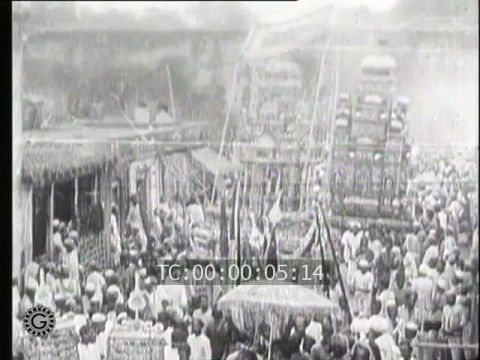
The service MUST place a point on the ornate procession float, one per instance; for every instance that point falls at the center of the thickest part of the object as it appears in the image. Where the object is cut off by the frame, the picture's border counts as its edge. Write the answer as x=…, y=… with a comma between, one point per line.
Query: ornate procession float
x=370, y=153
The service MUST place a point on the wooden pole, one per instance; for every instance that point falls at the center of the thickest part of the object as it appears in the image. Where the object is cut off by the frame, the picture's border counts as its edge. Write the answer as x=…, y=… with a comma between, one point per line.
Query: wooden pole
x=331, y=135
x=315, y=109
x=76, y=197
x=95, y=188
x=337, y=265
x=270, y=340
x=236, y=214
x=225, y=125
x=230, y=102
x=322, y=254
x=170, y=90
x=50, y=232
x=245, y=183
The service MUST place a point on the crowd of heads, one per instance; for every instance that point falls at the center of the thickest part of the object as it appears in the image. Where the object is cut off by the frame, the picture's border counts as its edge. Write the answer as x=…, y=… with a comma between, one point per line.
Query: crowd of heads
x=402, y=286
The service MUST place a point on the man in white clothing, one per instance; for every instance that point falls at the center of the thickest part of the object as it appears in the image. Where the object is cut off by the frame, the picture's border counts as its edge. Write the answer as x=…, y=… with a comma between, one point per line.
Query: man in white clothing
x=315, y=329
x=96, y=277
x=195, y=212
x=199, y=342
x=98, y=321
x=204, y=313
x=58, y=247
x=423, y=287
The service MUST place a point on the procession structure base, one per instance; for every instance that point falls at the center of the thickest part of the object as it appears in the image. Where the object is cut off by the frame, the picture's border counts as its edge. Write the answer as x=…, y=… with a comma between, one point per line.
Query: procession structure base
x=135, y=342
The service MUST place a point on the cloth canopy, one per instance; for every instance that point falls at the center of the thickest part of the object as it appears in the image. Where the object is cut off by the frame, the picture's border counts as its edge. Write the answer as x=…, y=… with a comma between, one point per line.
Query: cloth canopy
x=274, y=301
x=215, y=163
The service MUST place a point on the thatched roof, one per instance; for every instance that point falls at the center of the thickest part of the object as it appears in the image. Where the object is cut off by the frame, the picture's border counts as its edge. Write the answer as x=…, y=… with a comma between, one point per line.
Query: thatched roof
x=76, y=149
x=47, y=161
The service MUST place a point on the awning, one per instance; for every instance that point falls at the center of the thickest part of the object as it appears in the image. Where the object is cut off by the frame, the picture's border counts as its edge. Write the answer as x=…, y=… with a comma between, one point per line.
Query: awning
x=45, y=162
x=215, y=163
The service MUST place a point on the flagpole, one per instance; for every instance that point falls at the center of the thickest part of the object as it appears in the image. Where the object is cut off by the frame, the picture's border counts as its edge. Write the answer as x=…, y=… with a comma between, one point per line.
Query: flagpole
x=237, y=229
x=322, y=254
x=313, y=119
x=342, y=285
x=230, y=101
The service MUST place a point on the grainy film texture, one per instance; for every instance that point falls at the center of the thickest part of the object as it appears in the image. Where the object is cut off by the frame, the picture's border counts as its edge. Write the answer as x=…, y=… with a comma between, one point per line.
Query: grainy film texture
x=245, y=180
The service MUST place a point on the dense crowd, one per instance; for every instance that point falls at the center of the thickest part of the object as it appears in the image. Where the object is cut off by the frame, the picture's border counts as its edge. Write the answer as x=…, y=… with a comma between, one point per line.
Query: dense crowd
x=403, y=287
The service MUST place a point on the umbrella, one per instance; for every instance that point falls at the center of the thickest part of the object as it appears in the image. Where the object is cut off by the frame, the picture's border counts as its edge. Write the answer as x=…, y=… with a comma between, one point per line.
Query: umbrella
x=274, y=301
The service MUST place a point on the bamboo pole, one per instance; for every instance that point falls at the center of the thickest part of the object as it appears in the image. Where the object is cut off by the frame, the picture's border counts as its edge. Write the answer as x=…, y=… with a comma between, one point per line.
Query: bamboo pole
x=76, y=196
x=170, y=90
x=331, y=134
x=245, y=182
x=322, y=253
x=52, y=198
x=230, y=101
x=270, y=340
x=337, y=265
x=317, y=95
x=225, y=125
x=314, y=115
x=95, y=188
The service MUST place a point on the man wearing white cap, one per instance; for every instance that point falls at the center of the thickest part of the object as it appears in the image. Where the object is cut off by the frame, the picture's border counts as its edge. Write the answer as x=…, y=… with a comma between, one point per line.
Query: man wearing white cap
x=157, y=226
x=351, y=240
x=194, y=211
x=382, y=338
x=363, y=287
x=360, y=325
x=439, y=295
x=87, y=348
x=423, y=287
x=199, y=342
x=410, y=267
x=96, y=277
x=96, y=301
x=57, y=243
x=87, y=298
x=98, y=322
x=450, y=268
x=204, y=313
x=109, y=276
x=411, y=337
x=134, y=220
x=452, y=321
x=449, y=243
x=71, y=262
x=115, y=238
x=432, y=251
x=176, y=290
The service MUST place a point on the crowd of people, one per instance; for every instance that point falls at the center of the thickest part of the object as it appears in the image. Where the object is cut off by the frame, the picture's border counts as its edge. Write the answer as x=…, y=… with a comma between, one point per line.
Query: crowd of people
x=418, y=285
x=402, y=287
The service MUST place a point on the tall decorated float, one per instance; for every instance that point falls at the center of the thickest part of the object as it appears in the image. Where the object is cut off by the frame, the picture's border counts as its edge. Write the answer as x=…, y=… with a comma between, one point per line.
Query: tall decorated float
x=277, y=155
x=368, y=165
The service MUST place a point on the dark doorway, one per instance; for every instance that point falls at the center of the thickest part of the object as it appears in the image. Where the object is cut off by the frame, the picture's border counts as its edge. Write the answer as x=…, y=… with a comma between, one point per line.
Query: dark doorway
x=86, y=191
x=39, y=220
x=63, y=201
